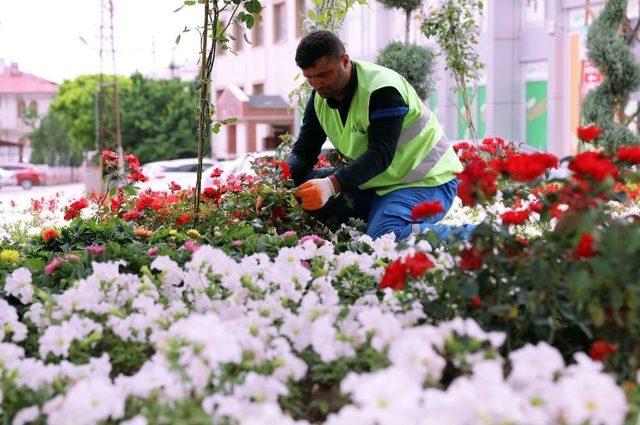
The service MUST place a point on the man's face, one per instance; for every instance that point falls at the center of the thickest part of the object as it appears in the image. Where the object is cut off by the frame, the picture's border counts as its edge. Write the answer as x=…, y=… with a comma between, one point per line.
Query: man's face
x=328, y=76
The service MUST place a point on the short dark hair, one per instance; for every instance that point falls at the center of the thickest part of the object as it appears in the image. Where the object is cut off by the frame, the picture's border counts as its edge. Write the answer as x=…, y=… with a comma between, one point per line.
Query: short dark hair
x=318, y=44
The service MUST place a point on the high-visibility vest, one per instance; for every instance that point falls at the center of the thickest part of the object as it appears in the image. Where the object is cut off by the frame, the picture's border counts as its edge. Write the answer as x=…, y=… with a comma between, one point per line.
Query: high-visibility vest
x=423, y=157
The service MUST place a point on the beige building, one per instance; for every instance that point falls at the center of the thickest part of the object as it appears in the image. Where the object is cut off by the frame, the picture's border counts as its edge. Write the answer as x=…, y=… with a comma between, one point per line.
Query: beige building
x=20, y=91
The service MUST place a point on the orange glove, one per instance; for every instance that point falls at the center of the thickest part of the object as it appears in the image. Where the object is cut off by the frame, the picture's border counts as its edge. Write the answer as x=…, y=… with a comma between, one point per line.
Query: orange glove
x=315, y=193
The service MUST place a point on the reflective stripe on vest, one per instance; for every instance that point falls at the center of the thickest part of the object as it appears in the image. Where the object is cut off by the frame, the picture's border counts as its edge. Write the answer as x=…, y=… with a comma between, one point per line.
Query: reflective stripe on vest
x=429, y=161
x=411, y=132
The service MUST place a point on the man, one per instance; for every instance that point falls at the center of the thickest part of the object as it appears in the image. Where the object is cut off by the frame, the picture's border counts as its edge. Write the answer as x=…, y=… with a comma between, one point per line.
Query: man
x=400, y=155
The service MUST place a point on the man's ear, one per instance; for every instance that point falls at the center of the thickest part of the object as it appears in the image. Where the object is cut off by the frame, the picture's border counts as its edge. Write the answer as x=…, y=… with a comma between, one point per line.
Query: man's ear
x=344, y=59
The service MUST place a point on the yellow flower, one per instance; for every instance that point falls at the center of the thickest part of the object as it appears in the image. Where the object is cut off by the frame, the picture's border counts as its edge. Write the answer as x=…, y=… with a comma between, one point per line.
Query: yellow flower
x=173, y=232
x=9, y=255
x=193, y=233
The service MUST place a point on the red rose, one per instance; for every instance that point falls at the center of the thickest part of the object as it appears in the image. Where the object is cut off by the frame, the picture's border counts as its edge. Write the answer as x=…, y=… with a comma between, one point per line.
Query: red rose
x=515, y=217
x=476, y=180
x=524, y=167
x=470, y=259
x=476, y=303
x=184, y=218
x=585, y=247
x=110, y=158
x=600, y=350
x=394, y=276
x=426, y=209
x=629, y=154
x=594, y=165
x=131, y=215
x=589, y=133
x=418, y=264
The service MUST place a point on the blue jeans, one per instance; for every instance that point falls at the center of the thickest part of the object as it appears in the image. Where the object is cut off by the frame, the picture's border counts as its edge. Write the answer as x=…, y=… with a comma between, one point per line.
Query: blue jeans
x=392, y=212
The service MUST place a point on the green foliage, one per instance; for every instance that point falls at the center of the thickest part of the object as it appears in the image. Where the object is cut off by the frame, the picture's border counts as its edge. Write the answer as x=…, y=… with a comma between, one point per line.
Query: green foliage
x=159, y=118
x=413, y=62
x=455, y=29
x=52, y=145
x=605, y=105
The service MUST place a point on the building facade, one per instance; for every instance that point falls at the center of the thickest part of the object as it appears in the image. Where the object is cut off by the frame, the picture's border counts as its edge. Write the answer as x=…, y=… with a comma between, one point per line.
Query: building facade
x=536, y=71
x=20, y=92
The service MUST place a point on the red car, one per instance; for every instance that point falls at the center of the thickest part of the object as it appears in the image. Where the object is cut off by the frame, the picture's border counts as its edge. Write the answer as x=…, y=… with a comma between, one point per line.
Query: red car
x=26, y=174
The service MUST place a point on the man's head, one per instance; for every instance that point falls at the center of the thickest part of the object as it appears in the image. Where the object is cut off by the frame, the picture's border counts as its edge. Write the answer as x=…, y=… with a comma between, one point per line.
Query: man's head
x=324, y=63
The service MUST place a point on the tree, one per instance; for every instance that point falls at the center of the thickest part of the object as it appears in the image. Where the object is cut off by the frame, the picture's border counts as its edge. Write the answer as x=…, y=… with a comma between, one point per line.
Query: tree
x=413, y=62
x=408, y=6
x=52, y=145
x=611, y=54
x=456, y=31
x=159, y=118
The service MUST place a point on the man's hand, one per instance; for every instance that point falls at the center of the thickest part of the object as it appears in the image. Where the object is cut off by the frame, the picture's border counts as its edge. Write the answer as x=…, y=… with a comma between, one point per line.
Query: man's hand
x=315, y=193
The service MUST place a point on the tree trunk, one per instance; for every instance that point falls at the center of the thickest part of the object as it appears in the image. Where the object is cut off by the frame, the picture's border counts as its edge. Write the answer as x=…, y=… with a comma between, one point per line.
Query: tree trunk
x=407, y=24
x=204, y=109
x=468, y=112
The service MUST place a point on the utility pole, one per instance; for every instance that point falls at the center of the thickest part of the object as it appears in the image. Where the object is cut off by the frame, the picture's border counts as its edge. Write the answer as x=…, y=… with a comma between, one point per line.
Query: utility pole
x=109, y=125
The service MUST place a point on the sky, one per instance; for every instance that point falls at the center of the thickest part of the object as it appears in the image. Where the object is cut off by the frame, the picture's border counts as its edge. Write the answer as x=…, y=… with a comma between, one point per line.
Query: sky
x=45, y=37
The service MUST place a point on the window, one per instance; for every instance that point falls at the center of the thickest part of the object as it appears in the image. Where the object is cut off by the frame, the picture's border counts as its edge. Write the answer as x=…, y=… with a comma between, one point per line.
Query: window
x=258, y=31
x=22, y=108
x=33, y=106
x=258, y=88
x=279, y=23
x=300, y=14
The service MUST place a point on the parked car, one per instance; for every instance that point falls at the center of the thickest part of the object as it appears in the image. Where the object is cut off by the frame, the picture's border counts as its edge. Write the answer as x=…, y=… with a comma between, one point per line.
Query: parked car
x=181, y=171
x=27, y=175
x=7, y=178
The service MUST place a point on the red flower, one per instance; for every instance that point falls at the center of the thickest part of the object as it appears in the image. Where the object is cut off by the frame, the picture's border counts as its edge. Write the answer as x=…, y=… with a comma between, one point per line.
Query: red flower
x=211, y=193
x=589, y=133
x=594, y=165
x=137, y=176
x=426, y=209
x=470, y=259
x=110, y=158
x=536, y=206
x=418, y=264
x=50, y=233
x=629, y=154
x=515, y=217
x=116, y=201
x=600, y=350
x=279, y=213
x=524, y=167
x=476, y=303
x=131, y=215
x=74, y=209
x=394, y=276
x=216, y=173
x=475, y=181
x=585, y=247
x=184, y=218
x=174, y=187
x=133, y=161
x=286, y=171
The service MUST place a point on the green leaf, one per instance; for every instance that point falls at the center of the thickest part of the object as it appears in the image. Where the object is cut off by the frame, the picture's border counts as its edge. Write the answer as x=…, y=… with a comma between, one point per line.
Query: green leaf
x=189, y=2
x=178, y=38
x=253, y=6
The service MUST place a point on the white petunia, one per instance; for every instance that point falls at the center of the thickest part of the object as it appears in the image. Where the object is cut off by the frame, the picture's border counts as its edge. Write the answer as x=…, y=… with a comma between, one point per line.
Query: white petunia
x=18, y=284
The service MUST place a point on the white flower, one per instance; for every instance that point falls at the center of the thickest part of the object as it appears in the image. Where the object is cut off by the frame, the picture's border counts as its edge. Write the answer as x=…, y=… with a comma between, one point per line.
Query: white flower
x=589, y=398
x=172, y=274
x=414, y=353
x=534, y=362
x=260, y=389
x=18, y=284
x=389, y=395
x=28, y=414
x=87, y=402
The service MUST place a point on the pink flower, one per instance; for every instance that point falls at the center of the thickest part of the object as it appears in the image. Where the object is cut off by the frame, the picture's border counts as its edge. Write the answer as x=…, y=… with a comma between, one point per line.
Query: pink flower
x=315, y=238
x=52, y=266
x=153, y=251
x=238, y=243
x=289, y=234
x=191, y=246
x=71, y=257
x=95, y=249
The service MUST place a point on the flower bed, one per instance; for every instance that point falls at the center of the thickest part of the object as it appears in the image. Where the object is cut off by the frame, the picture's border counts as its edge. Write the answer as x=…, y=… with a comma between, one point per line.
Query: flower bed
x=253, y=312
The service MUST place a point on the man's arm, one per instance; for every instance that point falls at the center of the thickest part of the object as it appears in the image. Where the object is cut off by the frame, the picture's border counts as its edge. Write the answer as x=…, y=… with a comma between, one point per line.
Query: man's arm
x=306, y=149
x=386, y=115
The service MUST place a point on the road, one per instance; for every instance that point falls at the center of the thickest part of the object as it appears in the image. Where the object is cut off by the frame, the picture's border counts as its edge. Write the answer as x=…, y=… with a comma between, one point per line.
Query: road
x=22, y=198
